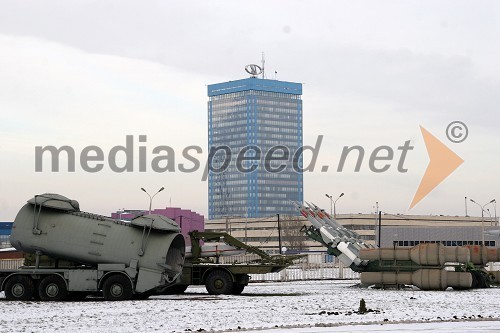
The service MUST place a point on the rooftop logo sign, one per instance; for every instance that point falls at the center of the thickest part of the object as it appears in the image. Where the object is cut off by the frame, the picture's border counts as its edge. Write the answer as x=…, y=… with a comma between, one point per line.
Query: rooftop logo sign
x=253, y=70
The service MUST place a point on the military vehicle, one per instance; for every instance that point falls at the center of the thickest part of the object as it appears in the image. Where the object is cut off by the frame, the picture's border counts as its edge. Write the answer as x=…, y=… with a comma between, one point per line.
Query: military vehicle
x=75, y=253
x=428, y=266
x=202, y=265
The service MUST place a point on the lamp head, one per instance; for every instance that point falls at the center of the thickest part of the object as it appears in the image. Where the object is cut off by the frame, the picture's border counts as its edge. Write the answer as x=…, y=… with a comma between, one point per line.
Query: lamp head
x=162, y=188
x=142, y=188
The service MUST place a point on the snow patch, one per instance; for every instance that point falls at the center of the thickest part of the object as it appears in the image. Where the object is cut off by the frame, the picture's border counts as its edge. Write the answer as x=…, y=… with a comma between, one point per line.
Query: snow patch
x=262, y=306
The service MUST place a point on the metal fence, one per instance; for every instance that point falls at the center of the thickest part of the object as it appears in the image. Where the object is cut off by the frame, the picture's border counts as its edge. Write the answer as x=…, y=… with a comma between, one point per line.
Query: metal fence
x=11, y=263
x=313, y=266
x=299, y=273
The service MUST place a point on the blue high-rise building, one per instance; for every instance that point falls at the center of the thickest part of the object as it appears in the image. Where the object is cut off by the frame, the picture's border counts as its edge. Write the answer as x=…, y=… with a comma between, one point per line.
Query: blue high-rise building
x=5, y=231
x=254, y=114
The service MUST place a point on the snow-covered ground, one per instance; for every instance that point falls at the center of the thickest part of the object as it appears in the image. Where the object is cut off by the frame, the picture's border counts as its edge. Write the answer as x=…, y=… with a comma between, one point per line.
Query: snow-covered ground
x=309, y=306
x=441, y=327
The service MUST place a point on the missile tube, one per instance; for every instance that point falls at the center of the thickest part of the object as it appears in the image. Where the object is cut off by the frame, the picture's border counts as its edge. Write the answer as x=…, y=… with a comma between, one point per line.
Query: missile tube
x=429, y=254
x=424, y=279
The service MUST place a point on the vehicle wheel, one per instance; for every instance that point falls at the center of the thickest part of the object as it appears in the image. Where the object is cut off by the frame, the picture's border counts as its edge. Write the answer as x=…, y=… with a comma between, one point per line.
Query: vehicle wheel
x=478, y=280
x=19, y=288
x=117, y=288
x=238, y=289
x=219, y=282
x=52, y=288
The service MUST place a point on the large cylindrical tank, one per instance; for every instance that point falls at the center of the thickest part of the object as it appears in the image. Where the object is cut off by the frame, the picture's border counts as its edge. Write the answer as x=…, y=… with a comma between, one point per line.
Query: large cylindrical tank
x=428, y=254
x=384, y=254
x=480, y=255
x=438, y=254
x=425, y=279
x=386, y=278
x=53, y=225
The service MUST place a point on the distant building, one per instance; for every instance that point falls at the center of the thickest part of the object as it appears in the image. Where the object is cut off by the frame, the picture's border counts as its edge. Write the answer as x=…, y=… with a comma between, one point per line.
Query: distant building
x=5, y=231
x=397, y=230
x=261, y=113
x=185, y=218
x=448, y=236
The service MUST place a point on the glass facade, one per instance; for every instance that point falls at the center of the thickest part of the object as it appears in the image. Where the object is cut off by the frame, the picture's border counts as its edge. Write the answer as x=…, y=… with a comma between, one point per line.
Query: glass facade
x=5, y=231
x=254, y=118
x=447, y=243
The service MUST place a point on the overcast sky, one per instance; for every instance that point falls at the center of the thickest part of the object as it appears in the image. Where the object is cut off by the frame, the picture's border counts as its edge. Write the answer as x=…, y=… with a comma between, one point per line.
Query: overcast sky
x=84, y=73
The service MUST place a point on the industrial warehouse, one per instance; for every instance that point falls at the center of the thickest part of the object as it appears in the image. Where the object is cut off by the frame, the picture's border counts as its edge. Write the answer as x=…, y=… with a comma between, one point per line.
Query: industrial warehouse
x=394, y=229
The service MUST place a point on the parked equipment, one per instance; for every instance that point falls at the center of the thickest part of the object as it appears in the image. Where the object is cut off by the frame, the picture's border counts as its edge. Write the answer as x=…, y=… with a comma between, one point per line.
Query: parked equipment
x=428, y=266
x=202, y=266
x=75, y=253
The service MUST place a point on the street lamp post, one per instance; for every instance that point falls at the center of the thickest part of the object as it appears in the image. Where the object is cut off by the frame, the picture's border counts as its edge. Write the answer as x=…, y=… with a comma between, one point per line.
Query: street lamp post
x=466, y=207
x=151, y=197
x=120, y=212
x=489, y=214
x=482, y=217
x=332, y=203
x=334, y=210
x=495, y=208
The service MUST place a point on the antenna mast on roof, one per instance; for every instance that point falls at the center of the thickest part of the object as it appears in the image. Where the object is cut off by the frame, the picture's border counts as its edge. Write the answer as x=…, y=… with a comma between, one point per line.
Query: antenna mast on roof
x=263, y=62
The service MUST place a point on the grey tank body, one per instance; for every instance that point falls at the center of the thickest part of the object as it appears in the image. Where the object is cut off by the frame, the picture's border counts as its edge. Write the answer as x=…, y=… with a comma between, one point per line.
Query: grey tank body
x=53, y=225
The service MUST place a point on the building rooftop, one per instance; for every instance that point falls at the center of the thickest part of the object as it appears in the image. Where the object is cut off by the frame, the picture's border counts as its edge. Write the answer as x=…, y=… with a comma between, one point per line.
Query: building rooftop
x=254, y=83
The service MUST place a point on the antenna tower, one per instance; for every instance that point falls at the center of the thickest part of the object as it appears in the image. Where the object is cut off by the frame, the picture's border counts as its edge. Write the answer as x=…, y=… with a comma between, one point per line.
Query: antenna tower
x=263, y=61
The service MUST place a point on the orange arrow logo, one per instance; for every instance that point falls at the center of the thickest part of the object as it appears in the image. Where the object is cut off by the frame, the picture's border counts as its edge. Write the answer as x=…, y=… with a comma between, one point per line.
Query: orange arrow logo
x=442, y=163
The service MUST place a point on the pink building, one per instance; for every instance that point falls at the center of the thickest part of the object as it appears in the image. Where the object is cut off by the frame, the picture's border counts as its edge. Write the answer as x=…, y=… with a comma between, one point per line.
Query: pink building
x=185, y=218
